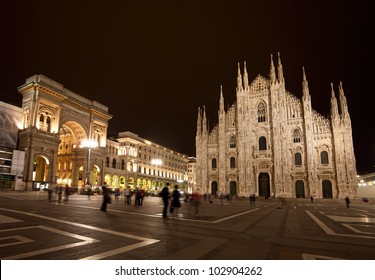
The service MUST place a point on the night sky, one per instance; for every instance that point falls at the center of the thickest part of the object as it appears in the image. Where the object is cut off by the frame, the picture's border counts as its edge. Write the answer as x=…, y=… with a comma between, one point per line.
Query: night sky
x=153, y=63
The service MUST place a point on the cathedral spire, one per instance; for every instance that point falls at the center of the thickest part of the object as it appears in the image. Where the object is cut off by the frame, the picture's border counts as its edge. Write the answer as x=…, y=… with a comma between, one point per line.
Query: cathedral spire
x=204, y=121
x=221, y=100
x=272, y=72
x=280, y=73
x=305, y=85
x=245, y=77
x=342, y=100
x=334, y=107
x=199, y=122
x=239, y=79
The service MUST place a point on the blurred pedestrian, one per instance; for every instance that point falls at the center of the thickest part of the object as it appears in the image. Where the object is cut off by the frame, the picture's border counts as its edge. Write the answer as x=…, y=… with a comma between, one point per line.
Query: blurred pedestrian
x=137, y=196
x=175, y=204
x=89, y=191
x=347, y=201
x=50, y=191
x=165, y=197
x=252, y=199
x=128, y=196
x=59, y=193
x=195, y=202
x=106, y=197
x=312, y=199
x=66, y=192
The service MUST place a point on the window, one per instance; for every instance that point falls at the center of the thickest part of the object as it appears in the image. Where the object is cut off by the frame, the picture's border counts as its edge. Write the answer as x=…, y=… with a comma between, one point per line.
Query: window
x=261, y=112
x=297, y=159
x=324, y=157
x=114, y=163
x=48, y=122
x=107, y=162
x=232, y=162
x=214, y=163
x=262, y=143
x=296, y=136
x=232, y=142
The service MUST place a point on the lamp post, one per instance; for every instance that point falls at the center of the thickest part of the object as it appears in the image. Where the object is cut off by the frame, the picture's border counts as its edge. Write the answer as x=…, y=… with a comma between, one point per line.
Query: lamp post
x=89, y=143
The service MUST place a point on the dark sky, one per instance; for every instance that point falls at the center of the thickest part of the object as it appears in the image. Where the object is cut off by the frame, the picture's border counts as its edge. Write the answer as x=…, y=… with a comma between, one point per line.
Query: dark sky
x=153, y=63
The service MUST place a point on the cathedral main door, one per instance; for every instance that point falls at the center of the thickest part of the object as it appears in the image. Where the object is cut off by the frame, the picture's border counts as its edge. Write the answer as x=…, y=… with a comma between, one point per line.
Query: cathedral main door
x=327, y=189
x=214, y=187
x=300, y=189
x=264, y=185
x=233, y=188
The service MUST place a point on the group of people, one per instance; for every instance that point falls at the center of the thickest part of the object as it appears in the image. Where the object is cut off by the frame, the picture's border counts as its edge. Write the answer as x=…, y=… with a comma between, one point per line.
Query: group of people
x=139, y=195
x=59, y=190
x=175, y=203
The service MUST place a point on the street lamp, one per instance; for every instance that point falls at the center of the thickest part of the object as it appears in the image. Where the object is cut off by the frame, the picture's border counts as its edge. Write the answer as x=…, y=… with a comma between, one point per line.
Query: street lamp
x=89, y=143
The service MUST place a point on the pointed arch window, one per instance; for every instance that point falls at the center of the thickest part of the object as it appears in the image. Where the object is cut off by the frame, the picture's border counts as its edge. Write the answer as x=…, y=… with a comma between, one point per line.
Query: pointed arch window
x=232, y=162
x=261, y=112
x=296, y=136
x=262, y=143
x=232, y=142
x=324, y=157
x=297, y=159
x=48, y=123
x=214, y=163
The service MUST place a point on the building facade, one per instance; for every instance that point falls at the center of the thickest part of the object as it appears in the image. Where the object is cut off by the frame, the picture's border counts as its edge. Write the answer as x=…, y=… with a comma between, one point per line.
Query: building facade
x=272, y=144
x=55, y=124
x=366, y=185
x=60, y=137
x=139, y=163
x=11, y=160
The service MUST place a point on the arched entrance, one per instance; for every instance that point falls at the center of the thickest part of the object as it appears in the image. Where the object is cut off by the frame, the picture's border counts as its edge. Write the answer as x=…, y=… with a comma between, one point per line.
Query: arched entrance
x=233, y=187
x=327, y=189
x=264, y=185
x=55, y=121
x=300, y=189
x=214, y=187
x=40, y=173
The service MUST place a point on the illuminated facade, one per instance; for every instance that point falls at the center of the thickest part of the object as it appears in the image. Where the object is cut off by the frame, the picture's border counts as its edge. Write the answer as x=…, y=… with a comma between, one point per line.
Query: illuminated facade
x=270, y=143
x=136, y=162
x=55, y=122
x=63, y=139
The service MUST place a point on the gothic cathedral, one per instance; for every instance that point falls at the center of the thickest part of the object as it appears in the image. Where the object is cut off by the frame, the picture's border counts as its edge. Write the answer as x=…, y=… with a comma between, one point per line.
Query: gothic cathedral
x=272, y=144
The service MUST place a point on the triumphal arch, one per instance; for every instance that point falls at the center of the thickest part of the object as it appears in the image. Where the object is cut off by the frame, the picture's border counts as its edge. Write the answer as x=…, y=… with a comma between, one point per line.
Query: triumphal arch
x=56, y=123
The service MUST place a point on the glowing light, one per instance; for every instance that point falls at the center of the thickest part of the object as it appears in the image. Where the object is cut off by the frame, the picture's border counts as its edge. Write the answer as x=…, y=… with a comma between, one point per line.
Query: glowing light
x=156, y=161
x=89, y=143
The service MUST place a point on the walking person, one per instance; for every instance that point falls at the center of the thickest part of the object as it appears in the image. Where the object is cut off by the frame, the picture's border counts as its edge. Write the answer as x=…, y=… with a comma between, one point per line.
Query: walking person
x=195, y=202
x=136, y=196
x=66, y=192
x=141, y=196
x=165, y=197
x=89, y=191
x=175, y=204
x=50, y=192
x=347, y=201
x=128, y=196
x=312, y=199
x=106, y=197
x=59, y=195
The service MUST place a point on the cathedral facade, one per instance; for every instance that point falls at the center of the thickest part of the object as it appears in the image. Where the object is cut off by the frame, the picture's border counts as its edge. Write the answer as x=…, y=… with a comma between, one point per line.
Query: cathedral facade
x=272, y=144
